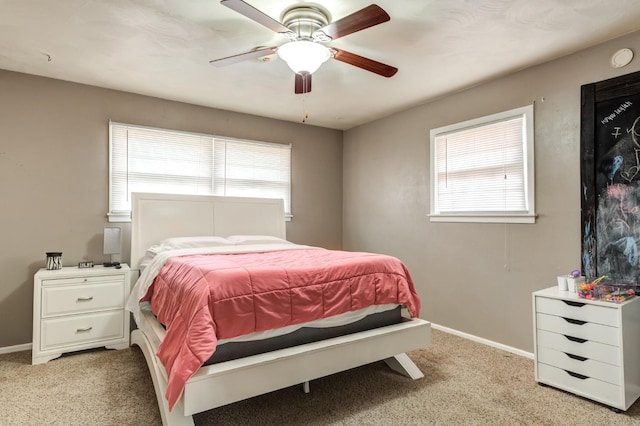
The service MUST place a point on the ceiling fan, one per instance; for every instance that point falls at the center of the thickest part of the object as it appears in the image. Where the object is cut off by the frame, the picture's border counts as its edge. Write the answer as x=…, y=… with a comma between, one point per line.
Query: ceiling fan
x=307, y=27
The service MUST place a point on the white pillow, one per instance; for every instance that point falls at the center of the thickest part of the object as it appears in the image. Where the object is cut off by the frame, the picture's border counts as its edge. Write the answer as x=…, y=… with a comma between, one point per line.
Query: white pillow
x=193, y=242
x=256, y=239
x=148, y=256
x=182, y=243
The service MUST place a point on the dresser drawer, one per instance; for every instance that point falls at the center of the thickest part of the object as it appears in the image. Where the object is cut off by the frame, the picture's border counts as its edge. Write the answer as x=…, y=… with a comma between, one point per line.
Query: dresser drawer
x=96, y=279
x=589, y=387
x=60, y=300
x=78, y=329
x=578, y=311
x=581, y=365
x=576, y=346
x=586, y=330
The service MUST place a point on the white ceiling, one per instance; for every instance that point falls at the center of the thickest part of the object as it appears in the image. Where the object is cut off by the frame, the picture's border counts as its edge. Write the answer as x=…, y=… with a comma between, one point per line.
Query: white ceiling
x=162, y=48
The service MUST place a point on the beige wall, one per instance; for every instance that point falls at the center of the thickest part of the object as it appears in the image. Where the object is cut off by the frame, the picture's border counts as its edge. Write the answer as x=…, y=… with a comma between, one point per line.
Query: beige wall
x=54, y=176
x=478, y=278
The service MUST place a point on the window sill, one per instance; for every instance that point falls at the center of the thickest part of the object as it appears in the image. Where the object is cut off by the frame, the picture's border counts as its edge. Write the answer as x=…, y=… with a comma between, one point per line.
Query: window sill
x=119, y=217
x=483, y=218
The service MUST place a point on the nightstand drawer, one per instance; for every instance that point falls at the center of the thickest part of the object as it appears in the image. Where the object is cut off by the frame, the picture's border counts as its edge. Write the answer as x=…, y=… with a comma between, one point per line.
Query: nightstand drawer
x=58, y=300
x=581, y=365
x=90, y=279
x=586, y=386
x=77, y=329
x=582, y=347
x=578, y=311
x=584, y=330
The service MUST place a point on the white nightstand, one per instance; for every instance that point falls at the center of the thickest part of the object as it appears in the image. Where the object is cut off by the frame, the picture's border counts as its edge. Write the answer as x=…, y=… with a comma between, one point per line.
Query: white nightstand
x=75, y=309
x=588, y=347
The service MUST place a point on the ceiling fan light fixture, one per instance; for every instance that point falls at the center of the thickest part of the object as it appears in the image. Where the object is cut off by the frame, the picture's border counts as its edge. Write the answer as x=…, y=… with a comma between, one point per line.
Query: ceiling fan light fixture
x=303, y=55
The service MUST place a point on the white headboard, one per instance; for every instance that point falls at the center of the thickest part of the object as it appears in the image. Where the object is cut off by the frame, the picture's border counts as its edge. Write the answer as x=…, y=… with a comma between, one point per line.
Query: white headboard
x=155, y=217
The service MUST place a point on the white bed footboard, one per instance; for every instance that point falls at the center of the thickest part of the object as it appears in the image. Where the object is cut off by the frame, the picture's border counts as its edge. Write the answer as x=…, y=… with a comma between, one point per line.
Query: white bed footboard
x=224, y=383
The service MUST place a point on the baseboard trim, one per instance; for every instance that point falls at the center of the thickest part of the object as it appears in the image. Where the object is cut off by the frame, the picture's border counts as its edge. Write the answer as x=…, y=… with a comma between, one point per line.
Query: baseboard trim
x=16, y=348
x=483, y=341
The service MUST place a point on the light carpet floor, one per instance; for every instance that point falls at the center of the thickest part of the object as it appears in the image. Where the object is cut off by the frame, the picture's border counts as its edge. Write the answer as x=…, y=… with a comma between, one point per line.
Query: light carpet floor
x=465, y=383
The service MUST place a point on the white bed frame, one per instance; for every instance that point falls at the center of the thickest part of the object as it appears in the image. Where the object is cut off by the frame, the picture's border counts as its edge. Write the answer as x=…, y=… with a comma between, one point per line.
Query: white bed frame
x=159, y=216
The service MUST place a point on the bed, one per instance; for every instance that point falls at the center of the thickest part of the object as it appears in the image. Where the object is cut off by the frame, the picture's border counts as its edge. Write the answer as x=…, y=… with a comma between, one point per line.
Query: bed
x=157, y=217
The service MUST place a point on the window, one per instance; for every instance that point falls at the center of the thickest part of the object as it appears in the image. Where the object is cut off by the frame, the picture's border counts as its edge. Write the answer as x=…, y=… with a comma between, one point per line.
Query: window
x=482, y=169
x=144, y=159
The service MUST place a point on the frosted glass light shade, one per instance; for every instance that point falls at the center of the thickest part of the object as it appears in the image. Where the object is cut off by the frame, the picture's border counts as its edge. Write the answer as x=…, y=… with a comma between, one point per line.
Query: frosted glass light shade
x=303, y=55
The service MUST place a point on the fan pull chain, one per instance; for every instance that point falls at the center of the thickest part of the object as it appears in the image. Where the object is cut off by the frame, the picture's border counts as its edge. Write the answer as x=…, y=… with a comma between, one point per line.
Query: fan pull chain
x=305, y=114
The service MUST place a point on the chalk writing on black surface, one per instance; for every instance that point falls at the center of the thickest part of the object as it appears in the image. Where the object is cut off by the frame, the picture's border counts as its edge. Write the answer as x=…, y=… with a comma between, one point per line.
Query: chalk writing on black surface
x=617, y=189
x=622, y=108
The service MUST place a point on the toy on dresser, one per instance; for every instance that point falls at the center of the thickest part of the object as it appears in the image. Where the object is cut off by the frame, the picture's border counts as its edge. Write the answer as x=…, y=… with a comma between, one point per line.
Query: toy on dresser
x=609, y=292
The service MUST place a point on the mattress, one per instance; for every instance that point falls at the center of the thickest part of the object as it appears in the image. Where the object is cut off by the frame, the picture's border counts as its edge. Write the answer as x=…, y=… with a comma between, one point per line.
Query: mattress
x=314, y=331
x=231, y=350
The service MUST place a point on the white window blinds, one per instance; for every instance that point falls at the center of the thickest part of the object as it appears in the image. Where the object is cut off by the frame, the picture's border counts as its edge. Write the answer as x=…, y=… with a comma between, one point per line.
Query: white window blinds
x=144, y=159
x=243, y=169
x=483, y=168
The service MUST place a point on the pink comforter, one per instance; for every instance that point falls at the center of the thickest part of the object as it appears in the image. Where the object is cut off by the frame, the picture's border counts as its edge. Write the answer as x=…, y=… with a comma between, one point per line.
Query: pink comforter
x=203, y=298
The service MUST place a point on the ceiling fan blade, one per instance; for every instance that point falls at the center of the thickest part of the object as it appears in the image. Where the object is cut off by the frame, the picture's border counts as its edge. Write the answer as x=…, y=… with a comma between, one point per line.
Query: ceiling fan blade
x=254, y=54
x=303, y=83
x=255, y=15
x=365, y=63
x=364, y=18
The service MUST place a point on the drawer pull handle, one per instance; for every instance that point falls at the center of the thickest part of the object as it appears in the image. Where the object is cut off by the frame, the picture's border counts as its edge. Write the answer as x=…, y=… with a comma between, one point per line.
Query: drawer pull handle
x=85, y=299
x=574, y=304
x=576, y=375
x=83, y=330
x=575, y=339
x=574, y=321
x=576, y=357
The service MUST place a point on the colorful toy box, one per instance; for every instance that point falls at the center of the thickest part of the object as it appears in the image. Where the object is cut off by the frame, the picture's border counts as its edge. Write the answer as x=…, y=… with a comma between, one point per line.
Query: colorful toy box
x=614, y=293
x=609, y=292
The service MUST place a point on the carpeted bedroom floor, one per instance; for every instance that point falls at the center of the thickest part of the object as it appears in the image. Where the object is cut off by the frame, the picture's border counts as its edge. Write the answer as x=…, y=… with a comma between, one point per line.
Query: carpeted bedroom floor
x=465, y=383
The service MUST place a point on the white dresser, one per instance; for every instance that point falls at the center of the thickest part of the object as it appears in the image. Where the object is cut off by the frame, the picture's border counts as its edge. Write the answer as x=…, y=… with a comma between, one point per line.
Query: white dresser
x=588, y=347
x=75, y=309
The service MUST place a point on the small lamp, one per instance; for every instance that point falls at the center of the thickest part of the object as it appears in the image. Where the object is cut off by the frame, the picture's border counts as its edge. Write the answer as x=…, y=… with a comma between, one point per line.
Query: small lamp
x=111, y=245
